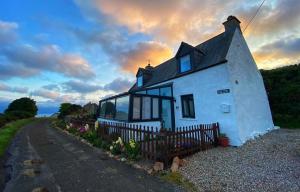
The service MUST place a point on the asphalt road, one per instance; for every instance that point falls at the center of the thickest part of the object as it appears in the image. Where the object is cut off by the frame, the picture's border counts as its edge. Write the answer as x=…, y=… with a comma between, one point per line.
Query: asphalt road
x=69, y=165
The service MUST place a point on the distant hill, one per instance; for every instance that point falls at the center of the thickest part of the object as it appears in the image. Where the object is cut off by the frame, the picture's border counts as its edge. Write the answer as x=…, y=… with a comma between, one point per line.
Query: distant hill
x=283, y=89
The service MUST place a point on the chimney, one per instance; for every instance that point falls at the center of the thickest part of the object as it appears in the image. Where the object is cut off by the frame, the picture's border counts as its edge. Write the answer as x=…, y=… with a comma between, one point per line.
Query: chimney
x=231, y=24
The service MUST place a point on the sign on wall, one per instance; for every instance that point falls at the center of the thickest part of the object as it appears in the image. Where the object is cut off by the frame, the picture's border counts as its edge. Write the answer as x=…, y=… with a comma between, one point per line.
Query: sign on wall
x=223, y=91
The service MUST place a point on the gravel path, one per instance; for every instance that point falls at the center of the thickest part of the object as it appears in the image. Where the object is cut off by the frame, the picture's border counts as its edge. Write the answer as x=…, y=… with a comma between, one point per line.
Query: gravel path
x=269, y=163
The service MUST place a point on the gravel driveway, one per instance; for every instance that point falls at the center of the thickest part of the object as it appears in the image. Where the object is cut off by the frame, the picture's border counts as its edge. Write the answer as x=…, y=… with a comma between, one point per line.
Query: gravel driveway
x=269, y=163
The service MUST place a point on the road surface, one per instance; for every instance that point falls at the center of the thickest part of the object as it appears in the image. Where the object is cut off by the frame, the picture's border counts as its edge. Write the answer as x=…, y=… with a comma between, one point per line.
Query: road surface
x=62, y=163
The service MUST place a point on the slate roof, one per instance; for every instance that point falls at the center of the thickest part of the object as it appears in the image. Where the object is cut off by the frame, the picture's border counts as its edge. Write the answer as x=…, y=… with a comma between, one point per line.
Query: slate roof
x=214, y=50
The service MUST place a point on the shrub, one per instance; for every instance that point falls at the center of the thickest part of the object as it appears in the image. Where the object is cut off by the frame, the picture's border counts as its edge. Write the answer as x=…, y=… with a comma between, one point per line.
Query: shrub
x=132, y=150
x=117, y=147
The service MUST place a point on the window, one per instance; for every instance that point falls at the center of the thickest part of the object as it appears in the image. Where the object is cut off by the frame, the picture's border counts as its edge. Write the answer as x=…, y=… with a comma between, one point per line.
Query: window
x=110, y=109
x=153, y=92
x=136, y=112
x=141, y=92
x=140, y=81
x=155, y=108
x=166, y=91
x=122, y=107
x=102, y=109
x=185, y=63
x=146, y=108
x=187, y=102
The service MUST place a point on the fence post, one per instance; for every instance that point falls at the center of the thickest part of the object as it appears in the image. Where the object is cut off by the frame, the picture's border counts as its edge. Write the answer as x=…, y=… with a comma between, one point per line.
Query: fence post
x=215, y=132
x=202, y=137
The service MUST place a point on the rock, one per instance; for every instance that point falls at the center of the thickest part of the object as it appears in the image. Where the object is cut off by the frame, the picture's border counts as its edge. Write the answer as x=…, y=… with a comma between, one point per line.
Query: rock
x=158, y=166
x=137, y=166
x=182, y=162
x=40, y=189
x=150, y=171
x=175, y=164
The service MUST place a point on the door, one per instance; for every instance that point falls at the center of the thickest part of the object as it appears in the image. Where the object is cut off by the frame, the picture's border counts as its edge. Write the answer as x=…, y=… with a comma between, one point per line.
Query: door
x=166, y=114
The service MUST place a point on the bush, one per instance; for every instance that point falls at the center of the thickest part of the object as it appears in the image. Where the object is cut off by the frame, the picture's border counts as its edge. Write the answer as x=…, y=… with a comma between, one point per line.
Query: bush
x=132, y=150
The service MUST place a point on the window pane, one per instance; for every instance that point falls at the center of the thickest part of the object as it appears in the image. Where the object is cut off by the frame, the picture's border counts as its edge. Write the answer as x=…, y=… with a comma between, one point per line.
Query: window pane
x=155, y=107
x=122, y=107
x=191, y=107
x=140, y=81
x=141, y=92
x=136, y=108
x=188, y=109
x=153, y=92
x=110, y=109
x=185, y=63
x=102, y=109
x=185, y=108
x=166, y=91
x=146, y=109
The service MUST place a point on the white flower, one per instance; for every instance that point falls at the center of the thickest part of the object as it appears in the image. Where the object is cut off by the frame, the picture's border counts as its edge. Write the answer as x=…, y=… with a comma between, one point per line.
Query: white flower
x=86, y=127
x=111, y=148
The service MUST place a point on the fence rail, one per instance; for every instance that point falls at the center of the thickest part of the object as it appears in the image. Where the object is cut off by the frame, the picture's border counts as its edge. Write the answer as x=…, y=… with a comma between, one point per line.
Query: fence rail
x=159, y=145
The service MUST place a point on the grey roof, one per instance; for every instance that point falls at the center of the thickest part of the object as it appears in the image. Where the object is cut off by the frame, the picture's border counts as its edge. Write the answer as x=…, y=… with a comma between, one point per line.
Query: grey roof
x=214, y=50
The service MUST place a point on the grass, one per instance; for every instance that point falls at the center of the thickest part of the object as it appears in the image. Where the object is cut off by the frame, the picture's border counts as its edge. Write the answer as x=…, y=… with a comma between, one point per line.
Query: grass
x=178, y=179
x=8, y=131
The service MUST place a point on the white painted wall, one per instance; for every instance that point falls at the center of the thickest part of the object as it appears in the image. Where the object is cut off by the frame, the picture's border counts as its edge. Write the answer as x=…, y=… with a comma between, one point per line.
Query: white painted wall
x=204, y=85
x=253, y=114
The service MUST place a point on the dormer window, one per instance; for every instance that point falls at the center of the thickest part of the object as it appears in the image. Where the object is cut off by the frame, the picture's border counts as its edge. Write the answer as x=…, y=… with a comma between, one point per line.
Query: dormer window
x=140, y=81
x=185, y=63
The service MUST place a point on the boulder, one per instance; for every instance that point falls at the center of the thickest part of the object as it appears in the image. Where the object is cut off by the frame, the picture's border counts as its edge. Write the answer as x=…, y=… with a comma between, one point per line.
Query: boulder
x=175, y=164
x=158, y=166
x=182, y=162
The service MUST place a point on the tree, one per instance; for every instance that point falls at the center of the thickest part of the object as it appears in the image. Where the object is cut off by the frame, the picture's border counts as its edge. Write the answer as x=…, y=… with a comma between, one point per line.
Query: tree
x=21, y=108
x=68, y=109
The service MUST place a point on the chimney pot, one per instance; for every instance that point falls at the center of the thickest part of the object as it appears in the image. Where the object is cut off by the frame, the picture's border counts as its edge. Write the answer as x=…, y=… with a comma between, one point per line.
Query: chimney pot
x=231, y=24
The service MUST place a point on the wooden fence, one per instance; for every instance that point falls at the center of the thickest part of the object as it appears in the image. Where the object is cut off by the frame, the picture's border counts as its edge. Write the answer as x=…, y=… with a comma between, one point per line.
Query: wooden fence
x=163, y=145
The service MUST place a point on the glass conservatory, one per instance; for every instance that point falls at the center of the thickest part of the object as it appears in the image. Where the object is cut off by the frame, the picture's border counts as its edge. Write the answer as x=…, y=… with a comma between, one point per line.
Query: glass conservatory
x=154, y=104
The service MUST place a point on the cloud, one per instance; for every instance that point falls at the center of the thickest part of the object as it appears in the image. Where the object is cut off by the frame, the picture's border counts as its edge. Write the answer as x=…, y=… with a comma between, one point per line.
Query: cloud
x=7, y=32
x=273, y=18
x=54, y=96
x=25, y=60
x=52, y=87
x=34, y=60
x=118, y=85
x=4, y=87
x=131, y=59
x=165, y=21
x=277, y=53
x=80, y=87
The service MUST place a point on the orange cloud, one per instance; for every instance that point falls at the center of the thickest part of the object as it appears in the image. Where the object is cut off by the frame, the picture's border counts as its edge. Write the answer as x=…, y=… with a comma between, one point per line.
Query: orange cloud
x=137, y=57
x=168, y=21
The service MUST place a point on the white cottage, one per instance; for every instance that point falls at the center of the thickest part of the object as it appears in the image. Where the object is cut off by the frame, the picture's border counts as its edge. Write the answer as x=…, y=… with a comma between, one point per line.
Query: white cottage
x=215, y=81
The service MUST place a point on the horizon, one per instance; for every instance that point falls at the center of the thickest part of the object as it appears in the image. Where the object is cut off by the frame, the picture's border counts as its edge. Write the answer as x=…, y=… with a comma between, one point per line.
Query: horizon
x=80, y=52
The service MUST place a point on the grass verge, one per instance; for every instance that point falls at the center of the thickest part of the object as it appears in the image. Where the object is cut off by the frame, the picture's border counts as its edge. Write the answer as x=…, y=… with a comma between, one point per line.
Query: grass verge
x=178, y=179
x=8, y=131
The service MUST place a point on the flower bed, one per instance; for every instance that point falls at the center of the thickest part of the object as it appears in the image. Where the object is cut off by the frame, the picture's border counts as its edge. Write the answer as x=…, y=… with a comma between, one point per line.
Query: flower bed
x=115, y=148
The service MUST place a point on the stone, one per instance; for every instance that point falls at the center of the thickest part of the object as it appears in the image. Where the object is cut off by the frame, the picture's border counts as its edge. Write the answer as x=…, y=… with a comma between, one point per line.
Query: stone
x=158, y=166
x=182, y=162
x=40, y=189
x=150, y=171
x=137, y=166
x=175, y=164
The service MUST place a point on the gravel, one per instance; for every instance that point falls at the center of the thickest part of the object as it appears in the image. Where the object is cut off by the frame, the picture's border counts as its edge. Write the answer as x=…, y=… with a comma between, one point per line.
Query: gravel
x=268, y=163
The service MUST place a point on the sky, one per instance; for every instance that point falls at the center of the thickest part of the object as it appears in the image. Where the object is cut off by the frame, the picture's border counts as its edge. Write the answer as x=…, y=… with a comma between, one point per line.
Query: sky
x=80, y=51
